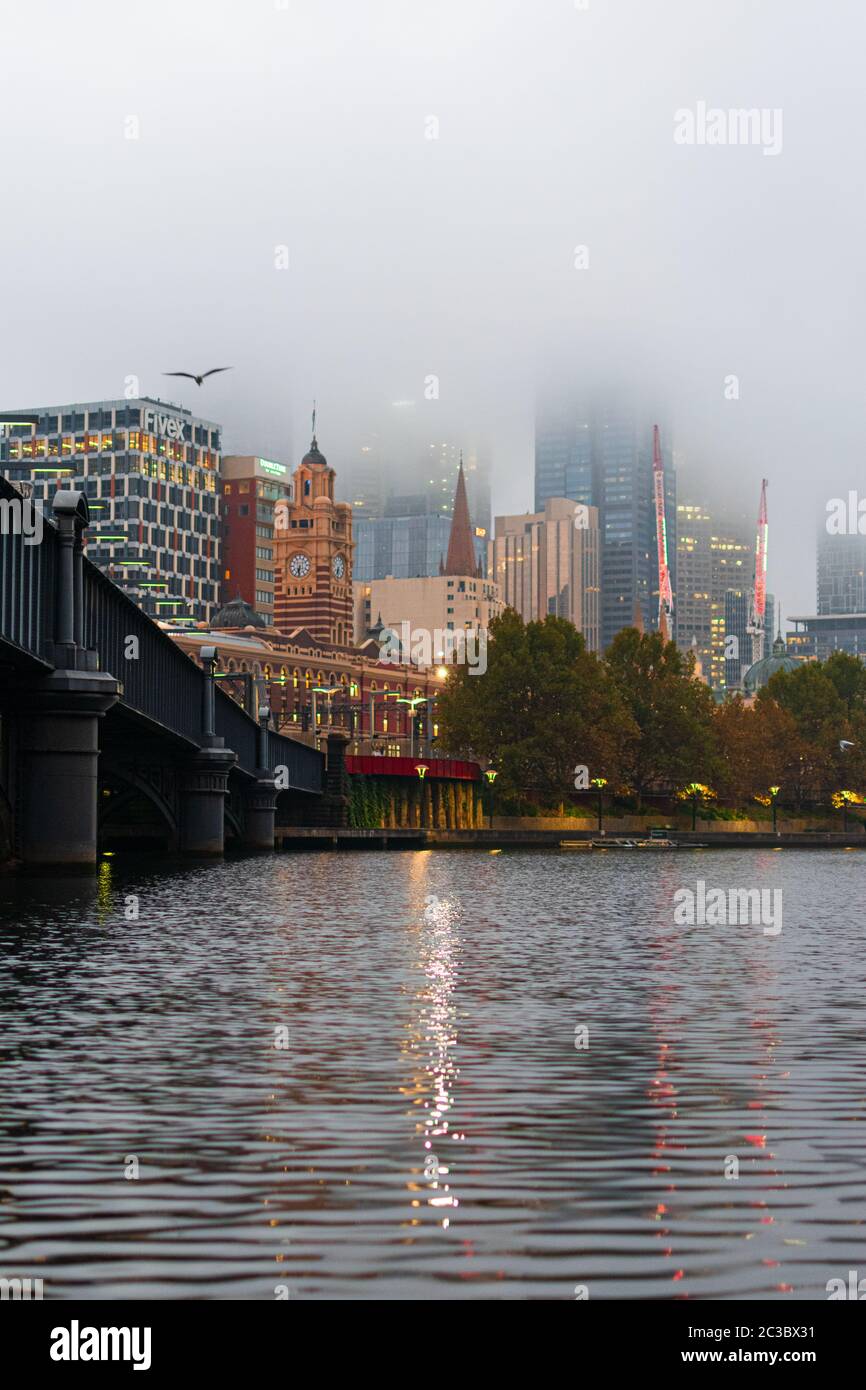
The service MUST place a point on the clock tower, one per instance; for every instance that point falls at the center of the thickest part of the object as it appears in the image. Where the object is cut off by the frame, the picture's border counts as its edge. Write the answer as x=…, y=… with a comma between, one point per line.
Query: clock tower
x=313, y=555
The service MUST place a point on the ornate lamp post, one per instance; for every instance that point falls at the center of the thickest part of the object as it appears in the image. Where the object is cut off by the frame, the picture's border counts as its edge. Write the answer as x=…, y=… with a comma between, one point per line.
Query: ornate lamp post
x=774, y=792
x=600, y=783
x=490, y=776
x=416, y=700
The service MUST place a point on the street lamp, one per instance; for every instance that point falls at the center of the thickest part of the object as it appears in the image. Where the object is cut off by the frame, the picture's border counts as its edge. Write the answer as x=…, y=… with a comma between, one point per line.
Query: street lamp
x=694, y=788
x=416, y=700
x=328, y=690
x=845, y=798
x=774, y=792
x=490, y=775
x=384, y=695
x=600, y=783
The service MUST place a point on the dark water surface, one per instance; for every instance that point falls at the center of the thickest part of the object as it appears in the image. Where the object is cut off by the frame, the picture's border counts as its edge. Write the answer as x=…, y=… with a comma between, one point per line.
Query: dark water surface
x=431, y=1128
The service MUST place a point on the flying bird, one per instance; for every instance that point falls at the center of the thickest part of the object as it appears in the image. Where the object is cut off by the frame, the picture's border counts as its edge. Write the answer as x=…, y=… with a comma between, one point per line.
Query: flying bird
x=845, y=743
x=198, y=379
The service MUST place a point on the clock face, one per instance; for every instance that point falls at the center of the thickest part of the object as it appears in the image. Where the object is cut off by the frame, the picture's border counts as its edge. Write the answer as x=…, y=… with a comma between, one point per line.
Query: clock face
x=300, y=565
x=338, y=566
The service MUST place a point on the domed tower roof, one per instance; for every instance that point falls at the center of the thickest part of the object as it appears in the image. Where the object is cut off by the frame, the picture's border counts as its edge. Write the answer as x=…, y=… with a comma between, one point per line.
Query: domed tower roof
x=314, y=458
x=238, y=613
x=758, y=674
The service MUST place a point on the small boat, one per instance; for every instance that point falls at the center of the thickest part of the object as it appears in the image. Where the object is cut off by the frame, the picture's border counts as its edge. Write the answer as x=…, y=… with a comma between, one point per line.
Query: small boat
x=613, y=842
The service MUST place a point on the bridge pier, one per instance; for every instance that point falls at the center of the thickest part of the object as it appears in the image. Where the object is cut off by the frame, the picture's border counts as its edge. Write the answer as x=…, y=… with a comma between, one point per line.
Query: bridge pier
x=203, y=790
x=260, y=808
x=58, y=745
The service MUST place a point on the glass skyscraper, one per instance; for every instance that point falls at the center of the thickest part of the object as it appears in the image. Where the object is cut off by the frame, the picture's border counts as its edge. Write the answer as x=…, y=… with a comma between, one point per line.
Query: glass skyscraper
x=405, y=547
x=596, y=448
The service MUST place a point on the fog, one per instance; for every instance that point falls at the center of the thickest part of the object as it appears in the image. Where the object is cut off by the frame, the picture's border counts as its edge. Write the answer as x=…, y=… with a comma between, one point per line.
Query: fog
x=162, y=162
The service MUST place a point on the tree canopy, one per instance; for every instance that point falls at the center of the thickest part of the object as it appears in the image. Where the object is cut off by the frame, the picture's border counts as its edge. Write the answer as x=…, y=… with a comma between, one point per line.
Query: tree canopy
x=639, y=719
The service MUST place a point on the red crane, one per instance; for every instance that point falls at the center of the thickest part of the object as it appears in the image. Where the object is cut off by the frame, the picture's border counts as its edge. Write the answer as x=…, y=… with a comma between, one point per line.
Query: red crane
x=666, y=600
x=759, y=589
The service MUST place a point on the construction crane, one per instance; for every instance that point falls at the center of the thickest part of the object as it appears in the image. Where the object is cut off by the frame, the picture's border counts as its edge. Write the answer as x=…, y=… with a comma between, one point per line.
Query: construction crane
x=755, y=626
x=666, y=600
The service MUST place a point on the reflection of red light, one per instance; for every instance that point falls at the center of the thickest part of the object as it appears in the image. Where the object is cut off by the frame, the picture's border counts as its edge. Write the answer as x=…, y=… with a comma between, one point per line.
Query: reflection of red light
x=771, y=1264
x=767, y=1220
x=679, y=1274
x=756, y=1105
x=759, y=1140
x=785, y=1288
x=661, y=1208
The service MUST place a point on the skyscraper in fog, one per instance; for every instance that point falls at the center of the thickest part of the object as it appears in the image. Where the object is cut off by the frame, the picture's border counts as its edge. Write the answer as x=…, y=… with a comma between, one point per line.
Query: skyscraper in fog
x=712, y=561
x=841, y=573
x=403, y=455
x=597, y=448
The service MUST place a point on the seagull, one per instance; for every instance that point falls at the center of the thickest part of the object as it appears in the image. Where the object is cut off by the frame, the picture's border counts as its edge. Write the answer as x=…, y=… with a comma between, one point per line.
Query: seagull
x=845, y=743
x=198, y=379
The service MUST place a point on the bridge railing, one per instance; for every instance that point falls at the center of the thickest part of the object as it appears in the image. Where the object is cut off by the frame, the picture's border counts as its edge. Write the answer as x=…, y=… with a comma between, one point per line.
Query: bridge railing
x=304, y=765
x=158, y=679
x=27, y=584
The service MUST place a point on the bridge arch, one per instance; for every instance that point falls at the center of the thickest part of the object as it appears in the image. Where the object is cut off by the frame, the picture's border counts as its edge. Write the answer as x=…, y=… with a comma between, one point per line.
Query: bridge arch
x=131, y=808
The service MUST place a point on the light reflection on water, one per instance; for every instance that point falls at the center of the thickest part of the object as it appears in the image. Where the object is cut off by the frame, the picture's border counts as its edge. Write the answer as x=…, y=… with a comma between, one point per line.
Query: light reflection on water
x=432, y=1129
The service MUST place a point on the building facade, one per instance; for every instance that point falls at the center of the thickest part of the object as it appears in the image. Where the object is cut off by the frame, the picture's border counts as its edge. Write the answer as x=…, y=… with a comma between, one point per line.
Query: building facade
x=547, y=562
x=252, y=490
x=816, y=637
x=150, y=472
x=597, y=448
x=455, y=601
x=841, y=573
x=408, y=545
x=311, y=688
x=712, y=560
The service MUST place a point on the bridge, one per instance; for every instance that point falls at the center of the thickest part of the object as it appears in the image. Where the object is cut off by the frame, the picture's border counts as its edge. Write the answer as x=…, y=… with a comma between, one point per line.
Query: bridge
x=109, y=733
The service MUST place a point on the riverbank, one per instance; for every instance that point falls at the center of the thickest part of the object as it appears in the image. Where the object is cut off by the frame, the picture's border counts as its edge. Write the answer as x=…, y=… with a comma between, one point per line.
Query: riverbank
x=299, y=838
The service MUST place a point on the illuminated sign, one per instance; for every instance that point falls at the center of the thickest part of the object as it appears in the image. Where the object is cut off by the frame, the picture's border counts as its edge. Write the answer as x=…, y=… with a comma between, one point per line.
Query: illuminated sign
x=167, y=425
x=480, y=531
x=277, y=469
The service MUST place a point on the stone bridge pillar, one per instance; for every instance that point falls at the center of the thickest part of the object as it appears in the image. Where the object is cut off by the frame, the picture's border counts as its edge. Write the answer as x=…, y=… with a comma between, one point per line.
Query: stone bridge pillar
x=58, y=744
x=203, y=789
x=260, y=808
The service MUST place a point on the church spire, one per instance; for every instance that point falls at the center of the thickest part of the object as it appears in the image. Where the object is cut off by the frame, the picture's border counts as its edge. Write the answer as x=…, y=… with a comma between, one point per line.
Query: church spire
x=461, y=551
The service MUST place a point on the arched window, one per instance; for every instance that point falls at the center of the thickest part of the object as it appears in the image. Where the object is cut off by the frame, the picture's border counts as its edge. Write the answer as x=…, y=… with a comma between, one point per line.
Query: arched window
x=308, y=680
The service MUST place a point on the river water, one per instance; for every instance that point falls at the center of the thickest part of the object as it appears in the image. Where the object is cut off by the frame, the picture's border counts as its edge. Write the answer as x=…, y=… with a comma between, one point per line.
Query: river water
x=433, y=1074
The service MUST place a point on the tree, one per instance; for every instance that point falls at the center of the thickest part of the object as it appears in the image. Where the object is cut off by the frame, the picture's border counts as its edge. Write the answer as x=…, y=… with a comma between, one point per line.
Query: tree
x=672, y=711
x=826, y=702
x=544, y=706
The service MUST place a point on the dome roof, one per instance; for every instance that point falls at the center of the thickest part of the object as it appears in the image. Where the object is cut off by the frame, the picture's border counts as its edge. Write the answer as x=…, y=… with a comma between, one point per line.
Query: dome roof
x=314, y=458
x=238, y=613
x=758, y=674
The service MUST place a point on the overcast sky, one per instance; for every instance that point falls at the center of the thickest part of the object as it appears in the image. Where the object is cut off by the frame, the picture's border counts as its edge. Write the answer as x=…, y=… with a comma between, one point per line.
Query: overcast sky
x=304, y=124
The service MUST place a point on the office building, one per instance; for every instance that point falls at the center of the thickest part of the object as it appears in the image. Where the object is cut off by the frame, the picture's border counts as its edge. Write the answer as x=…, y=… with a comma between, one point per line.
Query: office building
x=252, y=489
x=597, y=448
x=816, y=637
x=546, y=563
x=150, y=472
x=841, y=573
